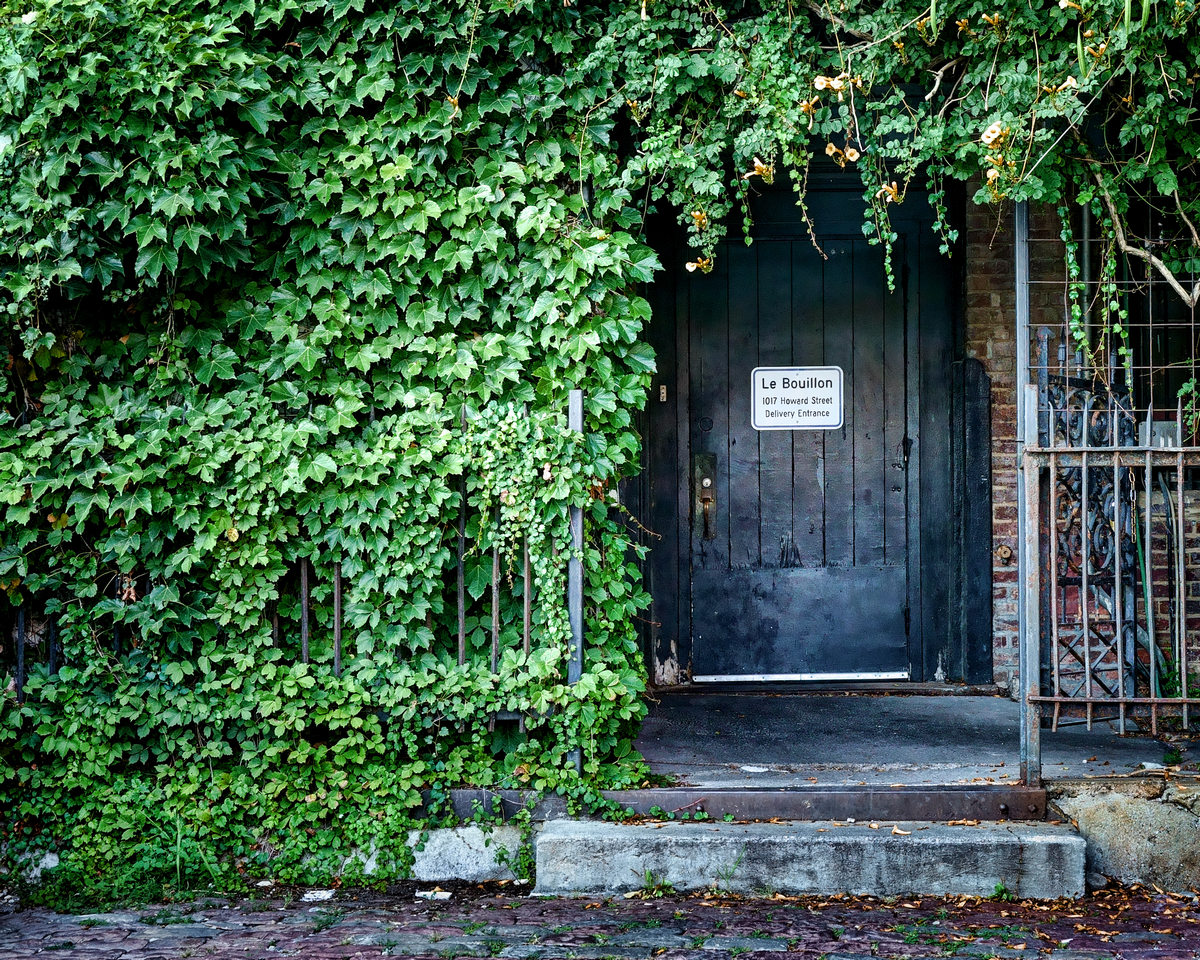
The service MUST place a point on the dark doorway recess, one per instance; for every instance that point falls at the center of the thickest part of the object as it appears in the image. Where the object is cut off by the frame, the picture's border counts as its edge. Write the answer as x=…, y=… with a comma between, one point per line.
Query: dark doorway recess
x=858, y=552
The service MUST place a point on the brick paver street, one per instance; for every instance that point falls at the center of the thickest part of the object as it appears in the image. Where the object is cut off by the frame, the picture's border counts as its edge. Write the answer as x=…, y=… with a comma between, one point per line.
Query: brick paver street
x=504, y=921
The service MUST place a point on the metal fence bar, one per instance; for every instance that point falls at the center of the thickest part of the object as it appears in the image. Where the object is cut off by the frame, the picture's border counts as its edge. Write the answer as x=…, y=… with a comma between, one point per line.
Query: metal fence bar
x=304, y=610
x=1086, y=594
x=52, y=658
x=527, y=597
x=337, y=619
x=1180, y=580
x=1118, y=594
x=462, y=550
x=21, y=654
x=1053, y=524
x=496, y=598
x=1148, y=587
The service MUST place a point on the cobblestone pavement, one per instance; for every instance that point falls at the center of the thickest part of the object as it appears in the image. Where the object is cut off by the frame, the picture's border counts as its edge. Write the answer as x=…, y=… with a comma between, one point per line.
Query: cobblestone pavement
x=503, y=921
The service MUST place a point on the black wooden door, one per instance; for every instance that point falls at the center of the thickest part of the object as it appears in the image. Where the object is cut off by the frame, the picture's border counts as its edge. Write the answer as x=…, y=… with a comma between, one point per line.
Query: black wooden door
x=799, y=562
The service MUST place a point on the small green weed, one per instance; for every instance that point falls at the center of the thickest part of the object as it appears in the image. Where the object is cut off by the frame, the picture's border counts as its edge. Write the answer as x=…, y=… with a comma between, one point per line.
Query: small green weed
x=654, y=886
x=324, y=919
x=165, y=918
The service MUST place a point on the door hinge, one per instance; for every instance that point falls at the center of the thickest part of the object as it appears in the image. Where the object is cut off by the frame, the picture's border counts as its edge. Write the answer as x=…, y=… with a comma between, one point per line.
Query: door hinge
x=907, y=620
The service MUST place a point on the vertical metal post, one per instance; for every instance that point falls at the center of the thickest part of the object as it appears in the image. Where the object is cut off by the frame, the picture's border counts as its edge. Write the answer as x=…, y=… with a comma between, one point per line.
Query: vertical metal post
x=337, y=619
x=495, y=661
x=304, y=610
x=21, y=654
x=53, y=651
x=527, y=598
x=575, y=574
x=1028, y=626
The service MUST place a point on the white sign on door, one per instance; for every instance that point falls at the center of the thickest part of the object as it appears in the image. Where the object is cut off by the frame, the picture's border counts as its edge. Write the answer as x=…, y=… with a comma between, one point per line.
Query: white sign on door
x=796, y=398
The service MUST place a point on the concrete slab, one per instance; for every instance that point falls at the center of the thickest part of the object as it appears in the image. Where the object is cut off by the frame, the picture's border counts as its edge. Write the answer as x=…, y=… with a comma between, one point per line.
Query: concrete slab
x=718, y=739
x=1042, y=861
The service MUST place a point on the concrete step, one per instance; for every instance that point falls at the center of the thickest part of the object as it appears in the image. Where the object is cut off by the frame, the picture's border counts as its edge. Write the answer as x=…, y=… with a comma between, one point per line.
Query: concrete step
x=588, y=858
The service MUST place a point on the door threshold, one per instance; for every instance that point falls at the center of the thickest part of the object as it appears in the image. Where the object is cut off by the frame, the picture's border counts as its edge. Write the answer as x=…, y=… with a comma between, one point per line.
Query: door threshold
x=799, y=677
x=831, y=688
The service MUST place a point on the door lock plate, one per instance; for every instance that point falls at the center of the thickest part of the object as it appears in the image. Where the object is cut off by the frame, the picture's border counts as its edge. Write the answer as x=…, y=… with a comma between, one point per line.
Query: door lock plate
x=704, y=496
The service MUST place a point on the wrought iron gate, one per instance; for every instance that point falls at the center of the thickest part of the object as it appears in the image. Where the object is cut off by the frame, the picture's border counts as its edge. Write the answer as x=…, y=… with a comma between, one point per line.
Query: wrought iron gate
x=1110, y=573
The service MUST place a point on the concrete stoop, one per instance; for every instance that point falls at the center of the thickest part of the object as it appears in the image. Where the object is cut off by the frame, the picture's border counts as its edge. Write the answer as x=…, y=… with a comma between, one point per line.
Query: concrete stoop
x=588, y=858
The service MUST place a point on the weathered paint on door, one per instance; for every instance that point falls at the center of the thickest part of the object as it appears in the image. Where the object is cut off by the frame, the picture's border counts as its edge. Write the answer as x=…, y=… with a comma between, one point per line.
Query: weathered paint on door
x=802, y=570
x=812, y=530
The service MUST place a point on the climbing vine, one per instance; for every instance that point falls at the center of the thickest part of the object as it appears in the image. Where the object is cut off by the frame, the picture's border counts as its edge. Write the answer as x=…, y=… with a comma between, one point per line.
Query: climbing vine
x=301, y=282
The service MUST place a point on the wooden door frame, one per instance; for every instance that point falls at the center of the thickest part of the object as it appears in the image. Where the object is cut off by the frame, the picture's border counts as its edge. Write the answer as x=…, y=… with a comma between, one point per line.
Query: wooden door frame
x=949, y=575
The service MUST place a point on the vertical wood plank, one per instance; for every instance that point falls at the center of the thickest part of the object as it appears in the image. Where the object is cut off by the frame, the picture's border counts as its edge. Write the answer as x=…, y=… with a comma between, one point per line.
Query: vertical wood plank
x=869, y=400
x=775, y=446
x=741, y=506
x=937, y=524
x=895, y=508
x=910, y=275
x=977, y=525
x=840, y=277
x=679, y=657
x=660, y=459
x=710, y=405
x=808, y=446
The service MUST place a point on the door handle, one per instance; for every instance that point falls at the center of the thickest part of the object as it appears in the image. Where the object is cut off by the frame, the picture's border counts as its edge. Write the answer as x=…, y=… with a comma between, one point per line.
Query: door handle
x=704, y=496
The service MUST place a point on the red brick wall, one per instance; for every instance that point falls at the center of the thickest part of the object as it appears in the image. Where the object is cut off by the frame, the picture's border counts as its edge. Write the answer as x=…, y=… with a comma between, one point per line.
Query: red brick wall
x=990, y=336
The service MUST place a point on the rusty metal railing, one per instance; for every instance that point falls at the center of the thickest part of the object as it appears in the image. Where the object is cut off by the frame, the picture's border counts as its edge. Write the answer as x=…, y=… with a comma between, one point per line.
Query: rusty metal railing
x=30, y=639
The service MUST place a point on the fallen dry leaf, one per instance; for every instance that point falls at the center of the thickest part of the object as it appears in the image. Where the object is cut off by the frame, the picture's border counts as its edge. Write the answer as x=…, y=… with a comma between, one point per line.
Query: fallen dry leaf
x=901, y=833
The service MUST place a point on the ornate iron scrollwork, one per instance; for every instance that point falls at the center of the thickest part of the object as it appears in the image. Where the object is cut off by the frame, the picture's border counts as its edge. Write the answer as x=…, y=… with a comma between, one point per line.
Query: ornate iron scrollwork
x=1095, y=576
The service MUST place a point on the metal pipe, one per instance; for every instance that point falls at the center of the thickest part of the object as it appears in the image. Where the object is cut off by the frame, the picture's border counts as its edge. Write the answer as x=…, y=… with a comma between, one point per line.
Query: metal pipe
x=1029, y=666
x=1031, y=711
